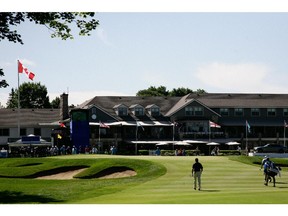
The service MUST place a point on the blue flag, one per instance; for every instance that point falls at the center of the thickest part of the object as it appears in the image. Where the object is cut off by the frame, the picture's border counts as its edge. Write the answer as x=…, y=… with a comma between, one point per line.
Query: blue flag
x=248, y=127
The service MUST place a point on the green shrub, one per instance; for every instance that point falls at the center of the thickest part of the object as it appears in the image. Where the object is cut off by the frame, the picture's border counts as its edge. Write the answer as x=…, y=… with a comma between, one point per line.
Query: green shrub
x=229, y=152
x=143, y=152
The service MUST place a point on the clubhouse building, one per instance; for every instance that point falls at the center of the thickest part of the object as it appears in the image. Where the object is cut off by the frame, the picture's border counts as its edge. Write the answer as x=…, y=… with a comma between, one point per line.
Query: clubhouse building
x=127, y=122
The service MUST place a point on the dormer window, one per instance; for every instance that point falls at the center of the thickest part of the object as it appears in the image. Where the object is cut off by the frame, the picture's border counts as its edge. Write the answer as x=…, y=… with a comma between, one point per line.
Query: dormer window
x=137, y=110
x=153, y=110
x=121, y=110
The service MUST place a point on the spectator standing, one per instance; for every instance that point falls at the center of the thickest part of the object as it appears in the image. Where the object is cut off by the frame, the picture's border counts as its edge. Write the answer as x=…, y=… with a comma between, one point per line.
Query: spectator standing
x=197, y=170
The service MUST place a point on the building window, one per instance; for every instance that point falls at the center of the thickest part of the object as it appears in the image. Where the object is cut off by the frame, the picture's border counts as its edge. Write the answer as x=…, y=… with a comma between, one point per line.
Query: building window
x=224, y=111
x=4, y=132
x=155, y=111
x=198, y=111
x=139, y=111
x=195, y=127
x=37, y=131
x=238, y=112
x=23, y=132
x=93, y=110
x=271, y=112
x=188, y=111
x=285, y=112
x=122, y=111
x=255, y=112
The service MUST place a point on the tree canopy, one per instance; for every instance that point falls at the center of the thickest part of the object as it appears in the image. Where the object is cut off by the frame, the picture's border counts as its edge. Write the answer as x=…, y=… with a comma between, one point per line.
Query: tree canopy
x=162, y=91
x=3, y=83
x=59, y=23
x=32, y=95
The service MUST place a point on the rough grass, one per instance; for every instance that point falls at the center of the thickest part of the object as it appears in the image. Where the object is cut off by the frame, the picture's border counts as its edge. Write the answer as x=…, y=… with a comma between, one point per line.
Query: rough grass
x=159, y=180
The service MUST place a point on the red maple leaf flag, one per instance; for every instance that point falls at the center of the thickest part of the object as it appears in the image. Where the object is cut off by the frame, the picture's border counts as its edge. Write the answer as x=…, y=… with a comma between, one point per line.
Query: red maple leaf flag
x=22, y=69
x=62, y=125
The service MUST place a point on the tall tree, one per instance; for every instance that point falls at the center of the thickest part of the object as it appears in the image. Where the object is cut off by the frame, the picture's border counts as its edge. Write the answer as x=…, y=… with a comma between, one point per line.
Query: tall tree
x=180, y=91
x=58, y=22
x=153, y=91
x=32, y=95
x=162, y=91
x=55, y=103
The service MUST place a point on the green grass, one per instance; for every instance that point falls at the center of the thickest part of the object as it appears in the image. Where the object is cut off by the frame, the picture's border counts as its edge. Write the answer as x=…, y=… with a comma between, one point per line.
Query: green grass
x=160, y=180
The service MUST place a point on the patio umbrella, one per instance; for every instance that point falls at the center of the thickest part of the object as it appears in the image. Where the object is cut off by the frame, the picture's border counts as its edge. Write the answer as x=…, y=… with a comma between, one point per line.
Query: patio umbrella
x=212, y=144
x=232, y=143
x=162, y=143
x=182, y=143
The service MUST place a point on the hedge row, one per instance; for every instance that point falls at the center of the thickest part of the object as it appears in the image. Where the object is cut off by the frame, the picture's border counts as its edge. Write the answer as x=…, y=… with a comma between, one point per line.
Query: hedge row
x=189, y=152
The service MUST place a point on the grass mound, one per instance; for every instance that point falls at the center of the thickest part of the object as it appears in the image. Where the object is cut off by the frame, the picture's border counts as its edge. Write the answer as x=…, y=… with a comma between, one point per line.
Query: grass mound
x=18, y=177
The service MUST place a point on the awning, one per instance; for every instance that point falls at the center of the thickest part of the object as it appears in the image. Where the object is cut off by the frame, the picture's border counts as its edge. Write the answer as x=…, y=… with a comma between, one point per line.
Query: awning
x=133, y=123
x=150, y=142
x=195, y=141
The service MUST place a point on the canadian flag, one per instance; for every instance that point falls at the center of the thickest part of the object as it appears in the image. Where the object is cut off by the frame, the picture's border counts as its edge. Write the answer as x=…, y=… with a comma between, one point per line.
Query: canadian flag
x=22, y=69
x=213, y=124
x=102, y=125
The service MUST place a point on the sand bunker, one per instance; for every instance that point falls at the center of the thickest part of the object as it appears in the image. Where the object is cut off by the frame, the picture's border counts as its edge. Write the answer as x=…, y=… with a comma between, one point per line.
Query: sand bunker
x=122, y=174
x=62, y=175
x=70, y=174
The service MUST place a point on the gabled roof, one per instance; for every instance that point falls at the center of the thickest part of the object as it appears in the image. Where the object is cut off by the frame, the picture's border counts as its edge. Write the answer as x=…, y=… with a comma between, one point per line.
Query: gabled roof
x=108, y=102
x=221, y=100
x=135, y=105
x=119, y=105
x=211, y=101
x=28, y=117
x=185, y=101
x=151, y=106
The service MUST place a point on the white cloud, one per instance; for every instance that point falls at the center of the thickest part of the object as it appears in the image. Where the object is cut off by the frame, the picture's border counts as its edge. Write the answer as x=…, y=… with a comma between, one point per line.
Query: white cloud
x=242, y=77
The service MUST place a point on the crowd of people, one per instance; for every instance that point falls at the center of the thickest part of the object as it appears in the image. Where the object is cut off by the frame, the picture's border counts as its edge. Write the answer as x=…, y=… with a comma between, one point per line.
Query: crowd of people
x=46, y=151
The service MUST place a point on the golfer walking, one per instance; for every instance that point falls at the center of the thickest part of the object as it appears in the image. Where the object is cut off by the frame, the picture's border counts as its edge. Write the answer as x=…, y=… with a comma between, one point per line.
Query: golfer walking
x=197, y=169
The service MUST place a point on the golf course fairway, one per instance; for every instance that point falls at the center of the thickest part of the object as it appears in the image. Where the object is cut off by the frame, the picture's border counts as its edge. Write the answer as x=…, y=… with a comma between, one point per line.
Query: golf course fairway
x=224, y=181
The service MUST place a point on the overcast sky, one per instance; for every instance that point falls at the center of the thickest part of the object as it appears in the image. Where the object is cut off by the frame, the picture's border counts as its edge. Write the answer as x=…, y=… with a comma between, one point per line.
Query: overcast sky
x=218, y=52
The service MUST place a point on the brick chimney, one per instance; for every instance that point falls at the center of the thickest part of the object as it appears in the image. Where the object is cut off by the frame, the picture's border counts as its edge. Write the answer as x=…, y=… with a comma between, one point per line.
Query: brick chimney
x=64, y=108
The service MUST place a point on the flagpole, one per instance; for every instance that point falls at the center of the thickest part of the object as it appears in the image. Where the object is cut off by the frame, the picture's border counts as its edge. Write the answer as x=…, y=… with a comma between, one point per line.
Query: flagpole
x=173, y=131
x=136, y=138
x=284, y=133
x=99, y=133
x=209, y=127
x=246, y=138
x=18, y=111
